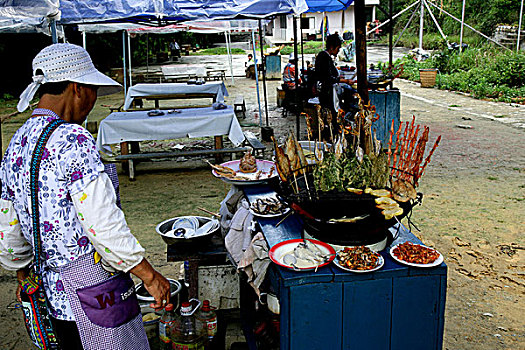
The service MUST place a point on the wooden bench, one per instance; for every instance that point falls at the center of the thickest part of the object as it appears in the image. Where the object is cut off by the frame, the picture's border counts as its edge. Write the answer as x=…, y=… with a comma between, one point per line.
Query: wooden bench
x=131, y=158
x=255, y=144
x=216, y=74
x=239, y=103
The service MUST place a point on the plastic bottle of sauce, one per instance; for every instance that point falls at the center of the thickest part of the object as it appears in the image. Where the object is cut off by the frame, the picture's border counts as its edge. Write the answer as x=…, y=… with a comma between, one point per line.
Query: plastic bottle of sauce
x=189, y=333
x=208, y=317
x=165, y=323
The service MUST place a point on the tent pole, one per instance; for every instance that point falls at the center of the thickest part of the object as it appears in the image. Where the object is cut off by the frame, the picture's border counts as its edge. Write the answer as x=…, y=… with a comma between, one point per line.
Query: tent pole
x=296, y=78
x=231, y=55
x=435, y=21
x=360, y=49
x=406, y=26
x=462, y=25
x=124, y=70
x=147, y=53
x=53, y=25
x=469, y=27
x=421, y=24
x=256, y=78
x=129, y=60
x=302, y=46
x=263, y=61
x=84, y=40
x=395, y=16
x=390, y=37
x=519, y=28
x=228, y=49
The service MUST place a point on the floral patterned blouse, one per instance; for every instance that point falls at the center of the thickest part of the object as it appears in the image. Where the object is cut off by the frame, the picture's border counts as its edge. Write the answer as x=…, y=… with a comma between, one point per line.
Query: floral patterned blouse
x=77, y=205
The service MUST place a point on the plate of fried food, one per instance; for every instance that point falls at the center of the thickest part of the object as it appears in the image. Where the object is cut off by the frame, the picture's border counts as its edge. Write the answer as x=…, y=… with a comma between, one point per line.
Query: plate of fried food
x=358, y=259
x=246, y=171
x=268, y=207
x=416, y=255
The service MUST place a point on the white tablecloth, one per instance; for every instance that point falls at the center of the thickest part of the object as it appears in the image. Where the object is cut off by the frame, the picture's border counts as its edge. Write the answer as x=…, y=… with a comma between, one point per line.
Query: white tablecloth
x=144, y=90
x=192, y=122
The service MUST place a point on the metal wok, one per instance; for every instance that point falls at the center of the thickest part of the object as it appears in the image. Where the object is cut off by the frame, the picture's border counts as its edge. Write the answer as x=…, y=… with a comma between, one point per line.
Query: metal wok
x=318, y=208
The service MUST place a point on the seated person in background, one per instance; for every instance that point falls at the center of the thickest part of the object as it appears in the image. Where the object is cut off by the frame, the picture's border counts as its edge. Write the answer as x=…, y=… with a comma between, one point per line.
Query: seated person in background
x=327, y=75
x=289, y=73
x=250, y=69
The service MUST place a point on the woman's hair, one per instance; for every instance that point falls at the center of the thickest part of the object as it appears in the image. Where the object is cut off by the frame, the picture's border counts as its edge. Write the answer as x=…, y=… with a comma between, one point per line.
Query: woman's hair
x=51, y=88
x=333, y=41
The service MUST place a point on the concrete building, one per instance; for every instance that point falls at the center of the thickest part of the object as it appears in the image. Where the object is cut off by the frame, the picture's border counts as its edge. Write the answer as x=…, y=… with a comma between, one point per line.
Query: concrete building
x=281, y=28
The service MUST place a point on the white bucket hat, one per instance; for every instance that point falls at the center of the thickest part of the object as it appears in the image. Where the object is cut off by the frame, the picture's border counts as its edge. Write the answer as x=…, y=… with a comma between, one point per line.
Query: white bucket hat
x=66, y=62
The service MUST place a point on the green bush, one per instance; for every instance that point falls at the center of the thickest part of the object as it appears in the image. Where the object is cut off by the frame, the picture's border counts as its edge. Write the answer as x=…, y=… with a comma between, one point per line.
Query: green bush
x=483, y=72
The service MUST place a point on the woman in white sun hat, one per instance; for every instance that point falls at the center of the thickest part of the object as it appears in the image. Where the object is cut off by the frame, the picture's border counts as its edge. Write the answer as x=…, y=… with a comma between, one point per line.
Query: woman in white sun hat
x=85, y=241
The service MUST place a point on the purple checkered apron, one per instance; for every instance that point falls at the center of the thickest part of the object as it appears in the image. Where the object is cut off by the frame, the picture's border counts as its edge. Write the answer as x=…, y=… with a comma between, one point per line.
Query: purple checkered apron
x=79, y=276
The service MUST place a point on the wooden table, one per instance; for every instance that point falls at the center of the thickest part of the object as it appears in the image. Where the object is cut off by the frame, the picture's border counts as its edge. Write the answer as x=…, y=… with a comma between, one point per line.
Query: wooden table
x=396, y=307
x=132, y=127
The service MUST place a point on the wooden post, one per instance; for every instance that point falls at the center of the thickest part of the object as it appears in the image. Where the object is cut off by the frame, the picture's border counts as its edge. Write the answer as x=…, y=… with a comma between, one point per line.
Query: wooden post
x=218, y=145
x=360, y=49
x=124, y=149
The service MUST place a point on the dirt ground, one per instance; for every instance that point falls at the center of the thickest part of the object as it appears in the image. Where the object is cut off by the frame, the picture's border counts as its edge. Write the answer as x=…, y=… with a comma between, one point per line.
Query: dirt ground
x=473, y=208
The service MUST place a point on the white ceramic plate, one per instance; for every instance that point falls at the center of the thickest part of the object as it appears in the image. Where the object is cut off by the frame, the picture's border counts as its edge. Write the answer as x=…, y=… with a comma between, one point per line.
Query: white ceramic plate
x=379, y=265
x=264, y=165
x=436, y=262
x=278, y=251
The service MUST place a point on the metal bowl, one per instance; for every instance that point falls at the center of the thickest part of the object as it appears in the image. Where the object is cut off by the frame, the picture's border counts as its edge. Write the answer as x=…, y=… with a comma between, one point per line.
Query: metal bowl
x=145, y=298
x=164, y=227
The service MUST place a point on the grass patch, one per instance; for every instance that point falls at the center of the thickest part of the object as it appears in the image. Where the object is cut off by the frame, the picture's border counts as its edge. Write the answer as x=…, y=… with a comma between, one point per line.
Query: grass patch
x=492, y=178
x=454, y=106
x=217, y=51
x=500, y=116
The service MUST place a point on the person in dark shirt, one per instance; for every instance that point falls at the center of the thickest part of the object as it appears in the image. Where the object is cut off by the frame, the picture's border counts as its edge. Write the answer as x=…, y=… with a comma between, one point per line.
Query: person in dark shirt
x=328, y=75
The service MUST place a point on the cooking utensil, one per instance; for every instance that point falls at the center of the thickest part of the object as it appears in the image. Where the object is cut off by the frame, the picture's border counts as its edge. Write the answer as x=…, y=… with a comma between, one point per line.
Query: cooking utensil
x=209, y=212
x=290, y=259
x=284, y=218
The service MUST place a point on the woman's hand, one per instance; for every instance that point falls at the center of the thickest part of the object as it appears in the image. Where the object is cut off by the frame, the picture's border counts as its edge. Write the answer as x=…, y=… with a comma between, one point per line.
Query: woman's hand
x=158, y=288
x=156, y=284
